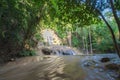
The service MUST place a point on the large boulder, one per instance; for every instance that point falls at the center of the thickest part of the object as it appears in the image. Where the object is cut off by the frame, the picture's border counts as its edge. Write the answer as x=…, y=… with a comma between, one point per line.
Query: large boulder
x=46, y=51
x=106, y=59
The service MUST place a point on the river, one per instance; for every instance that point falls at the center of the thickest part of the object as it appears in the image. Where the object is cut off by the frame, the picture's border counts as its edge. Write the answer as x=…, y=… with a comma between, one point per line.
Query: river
x=79, y=67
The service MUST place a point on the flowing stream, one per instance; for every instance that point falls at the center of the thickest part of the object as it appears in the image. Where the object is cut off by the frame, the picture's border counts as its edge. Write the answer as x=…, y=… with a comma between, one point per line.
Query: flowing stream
x=79, y=67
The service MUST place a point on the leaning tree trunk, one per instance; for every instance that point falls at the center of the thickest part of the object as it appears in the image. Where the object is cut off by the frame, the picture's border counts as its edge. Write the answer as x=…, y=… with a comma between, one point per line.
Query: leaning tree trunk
x=115, y=16
x=112, y=33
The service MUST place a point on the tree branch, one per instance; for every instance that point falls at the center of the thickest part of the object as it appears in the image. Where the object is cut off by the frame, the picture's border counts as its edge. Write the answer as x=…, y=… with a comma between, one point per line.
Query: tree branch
x=112, y=33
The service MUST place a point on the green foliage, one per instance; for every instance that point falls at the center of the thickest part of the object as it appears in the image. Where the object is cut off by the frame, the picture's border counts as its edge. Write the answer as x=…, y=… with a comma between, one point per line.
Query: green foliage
x=18, y=23
x=22, y=20
x=76, y=13
x=100, y=35
x=117, y=4
x=102, y=39
x=75, y=41
x=27, y=53
x=60, y=13
x=38, y=37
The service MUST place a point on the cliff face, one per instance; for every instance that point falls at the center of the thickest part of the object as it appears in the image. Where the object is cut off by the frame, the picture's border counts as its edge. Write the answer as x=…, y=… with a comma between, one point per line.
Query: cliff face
x=50, y=37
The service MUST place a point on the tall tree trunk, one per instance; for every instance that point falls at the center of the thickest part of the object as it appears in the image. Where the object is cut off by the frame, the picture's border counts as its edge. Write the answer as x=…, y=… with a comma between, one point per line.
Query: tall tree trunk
x=83, y=41
x=69, y=38
x=86, y=45
x=90, y=40
x=115, y=16
x=112, y=33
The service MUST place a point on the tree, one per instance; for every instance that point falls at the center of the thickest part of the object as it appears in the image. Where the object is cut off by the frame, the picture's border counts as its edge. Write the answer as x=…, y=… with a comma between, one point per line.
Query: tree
x=65, y=12
x=114, y=11
x=98, y=6
x=18, y=23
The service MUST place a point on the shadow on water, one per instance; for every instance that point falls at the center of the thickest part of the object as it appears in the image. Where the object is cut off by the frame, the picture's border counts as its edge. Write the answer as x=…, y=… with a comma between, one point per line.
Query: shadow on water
x=57, y=68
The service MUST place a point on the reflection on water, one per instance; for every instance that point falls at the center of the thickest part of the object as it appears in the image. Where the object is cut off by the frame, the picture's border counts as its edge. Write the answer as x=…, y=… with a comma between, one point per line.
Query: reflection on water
x=55, y=68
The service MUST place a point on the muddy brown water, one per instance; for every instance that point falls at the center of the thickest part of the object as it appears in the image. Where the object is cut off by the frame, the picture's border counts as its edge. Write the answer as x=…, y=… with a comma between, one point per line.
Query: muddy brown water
x=52, y=68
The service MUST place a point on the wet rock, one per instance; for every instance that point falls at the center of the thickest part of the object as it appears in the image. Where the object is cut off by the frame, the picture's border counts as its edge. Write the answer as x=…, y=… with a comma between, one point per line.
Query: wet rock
x=46, y=51
x=99, y=69
x=116, y=60
x=113, y=74
x=113, y=66
x=88, y=63
x=118, y=78
x=105, y=59
x=12, y=59
x=68, y=52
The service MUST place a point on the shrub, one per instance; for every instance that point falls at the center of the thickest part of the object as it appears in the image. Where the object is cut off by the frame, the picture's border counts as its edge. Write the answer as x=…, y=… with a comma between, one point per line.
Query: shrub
x=27, y=53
